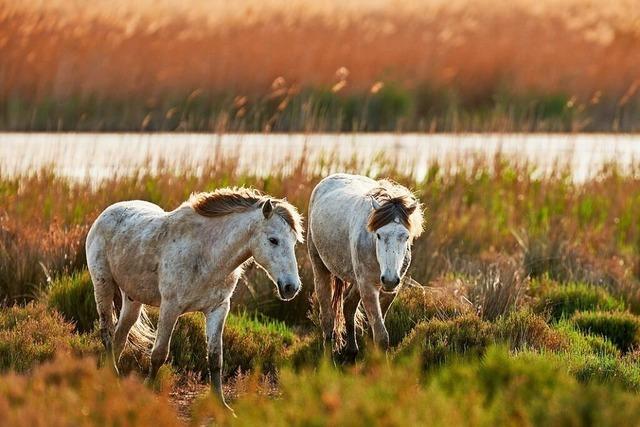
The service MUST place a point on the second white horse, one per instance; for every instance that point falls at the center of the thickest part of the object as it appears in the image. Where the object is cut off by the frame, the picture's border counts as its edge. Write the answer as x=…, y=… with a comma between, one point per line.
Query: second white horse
x=360, y=234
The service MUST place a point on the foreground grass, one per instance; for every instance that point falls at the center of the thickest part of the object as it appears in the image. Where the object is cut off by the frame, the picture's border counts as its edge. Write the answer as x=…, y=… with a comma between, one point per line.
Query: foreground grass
x=519, y=368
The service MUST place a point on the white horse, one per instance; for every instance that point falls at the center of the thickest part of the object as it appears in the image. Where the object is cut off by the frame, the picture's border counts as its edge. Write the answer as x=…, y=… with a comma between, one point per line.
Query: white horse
x=360, y=233
x=189, y=259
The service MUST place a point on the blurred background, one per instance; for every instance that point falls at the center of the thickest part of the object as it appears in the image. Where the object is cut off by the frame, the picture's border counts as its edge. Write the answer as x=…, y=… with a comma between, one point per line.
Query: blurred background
x=299, y=65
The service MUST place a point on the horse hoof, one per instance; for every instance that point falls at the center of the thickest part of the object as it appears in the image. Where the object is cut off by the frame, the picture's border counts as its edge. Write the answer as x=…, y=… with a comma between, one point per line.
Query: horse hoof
x=230, y=409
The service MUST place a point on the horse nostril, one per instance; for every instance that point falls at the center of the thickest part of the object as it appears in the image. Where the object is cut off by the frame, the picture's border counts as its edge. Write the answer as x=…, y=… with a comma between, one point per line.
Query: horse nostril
x=383, y=279
x=288, y=288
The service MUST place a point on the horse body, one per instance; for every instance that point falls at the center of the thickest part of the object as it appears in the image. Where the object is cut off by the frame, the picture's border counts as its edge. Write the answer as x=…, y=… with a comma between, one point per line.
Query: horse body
x=360, y=235
x=189, y=259
x=342, y=241
x=148, y=251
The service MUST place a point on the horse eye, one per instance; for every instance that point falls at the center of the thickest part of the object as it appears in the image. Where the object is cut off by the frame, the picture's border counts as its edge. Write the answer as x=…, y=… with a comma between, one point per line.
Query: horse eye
x=378, y=236
x=273, y=241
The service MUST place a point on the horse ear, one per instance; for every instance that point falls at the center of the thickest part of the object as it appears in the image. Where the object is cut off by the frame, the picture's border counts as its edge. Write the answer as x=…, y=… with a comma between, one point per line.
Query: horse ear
x=374, y=203
x=411, y=209
x=267, y=209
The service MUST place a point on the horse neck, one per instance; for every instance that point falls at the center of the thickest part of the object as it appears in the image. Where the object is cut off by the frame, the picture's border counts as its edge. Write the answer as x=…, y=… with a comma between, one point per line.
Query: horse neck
x=236, y=231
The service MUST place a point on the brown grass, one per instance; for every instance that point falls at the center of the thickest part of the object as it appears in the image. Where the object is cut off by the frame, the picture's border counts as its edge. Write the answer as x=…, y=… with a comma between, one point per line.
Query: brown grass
x=587, y=49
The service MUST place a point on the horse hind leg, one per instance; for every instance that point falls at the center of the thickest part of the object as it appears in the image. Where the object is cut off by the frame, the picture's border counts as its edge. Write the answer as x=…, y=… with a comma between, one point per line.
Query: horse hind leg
x=128, y=316
x=323, y=291
x=351, y=302
x=104, y=289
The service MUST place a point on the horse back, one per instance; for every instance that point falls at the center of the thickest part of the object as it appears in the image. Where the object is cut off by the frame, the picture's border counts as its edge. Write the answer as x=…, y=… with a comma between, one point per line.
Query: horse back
x=338, y=213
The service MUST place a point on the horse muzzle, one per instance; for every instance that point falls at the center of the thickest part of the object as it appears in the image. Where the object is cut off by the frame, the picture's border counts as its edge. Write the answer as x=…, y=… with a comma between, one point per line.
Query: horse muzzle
x=288, y=289
x=389, y=283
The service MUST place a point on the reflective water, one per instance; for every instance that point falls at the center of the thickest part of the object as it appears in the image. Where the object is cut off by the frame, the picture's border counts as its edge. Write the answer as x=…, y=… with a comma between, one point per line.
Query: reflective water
x=96, y=156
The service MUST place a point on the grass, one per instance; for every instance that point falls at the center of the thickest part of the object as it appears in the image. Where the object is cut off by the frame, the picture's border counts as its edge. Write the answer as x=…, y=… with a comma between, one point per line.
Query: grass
x=622, y=329
x=472, y=213
x=523, y=295
x=563, y=301
x=72, y=296
x=497, y=389
x=68, y=391
x=32, y=334
x=415, y=304
x=276, y=66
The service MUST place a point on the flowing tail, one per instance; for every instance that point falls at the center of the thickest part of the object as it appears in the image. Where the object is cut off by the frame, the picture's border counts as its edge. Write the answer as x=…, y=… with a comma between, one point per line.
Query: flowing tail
x=142, y=334
x=337, y=302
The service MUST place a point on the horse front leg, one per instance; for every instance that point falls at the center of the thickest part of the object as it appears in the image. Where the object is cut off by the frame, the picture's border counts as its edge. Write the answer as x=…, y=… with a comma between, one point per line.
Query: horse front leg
x=371, y=301
x=386, y=298
x=167, y=319
x=215, y=326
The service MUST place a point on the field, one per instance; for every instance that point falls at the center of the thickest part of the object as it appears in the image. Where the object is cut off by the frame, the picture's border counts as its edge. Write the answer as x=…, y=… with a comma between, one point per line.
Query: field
x=522, y=308
x=522, y=303
x=425, y=65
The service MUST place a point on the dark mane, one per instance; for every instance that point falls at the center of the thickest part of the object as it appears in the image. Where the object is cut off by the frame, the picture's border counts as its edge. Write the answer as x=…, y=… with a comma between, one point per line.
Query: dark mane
x=396, y=202
x=226, y=201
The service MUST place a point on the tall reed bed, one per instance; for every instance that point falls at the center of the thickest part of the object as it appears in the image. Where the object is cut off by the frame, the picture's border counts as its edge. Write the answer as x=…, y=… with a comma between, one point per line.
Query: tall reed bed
x=282, y=65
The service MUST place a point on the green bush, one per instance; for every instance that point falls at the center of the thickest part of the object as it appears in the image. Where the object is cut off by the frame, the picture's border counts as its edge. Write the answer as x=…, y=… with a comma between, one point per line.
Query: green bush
x=500, y=389
x=605, y=369
x=32, y=334
x=188, y=352
x=621, y=328
x=523, y=329
x=307, y=351
x=438, y=341
x=248, y=341
x=72, y=296
x=255, y=341
x=416, y=304
x=565, y=300
x=579, y=343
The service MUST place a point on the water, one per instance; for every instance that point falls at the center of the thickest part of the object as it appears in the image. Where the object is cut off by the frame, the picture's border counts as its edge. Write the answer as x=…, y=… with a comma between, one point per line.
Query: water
x=96, y=156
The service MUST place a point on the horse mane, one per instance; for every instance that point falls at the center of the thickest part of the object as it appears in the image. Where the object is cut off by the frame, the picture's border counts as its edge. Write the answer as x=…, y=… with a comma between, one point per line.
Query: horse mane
x=396, y=202
x=226, y=201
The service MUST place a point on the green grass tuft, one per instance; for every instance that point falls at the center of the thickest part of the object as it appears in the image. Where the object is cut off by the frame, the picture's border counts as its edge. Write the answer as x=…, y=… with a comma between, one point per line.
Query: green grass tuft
x=72, y=296
x=621, y=328
x=564, y=300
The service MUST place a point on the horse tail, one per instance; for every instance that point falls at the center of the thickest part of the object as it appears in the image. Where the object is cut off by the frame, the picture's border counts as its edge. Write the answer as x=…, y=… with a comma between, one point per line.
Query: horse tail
x=337, y=296
x=143, y=333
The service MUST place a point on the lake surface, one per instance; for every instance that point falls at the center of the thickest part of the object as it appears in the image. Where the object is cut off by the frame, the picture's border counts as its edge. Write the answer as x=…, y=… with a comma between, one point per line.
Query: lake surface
x=95, y=156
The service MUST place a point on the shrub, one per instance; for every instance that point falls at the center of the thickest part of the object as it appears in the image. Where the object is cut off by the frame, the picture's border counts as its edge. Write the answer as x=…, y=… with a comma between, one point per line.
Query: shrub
x=437, y=341
x=620, y=328
x=188, y=352
x=69, y=392
x=307, y=351
x=32, y=334
x=605, y=368
x=500, y=389
x=565, y=300
x=579, y=343
x=72, y=296
x=415, y=304
x=255, y=341
x=523, y=329
x=497, y=290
